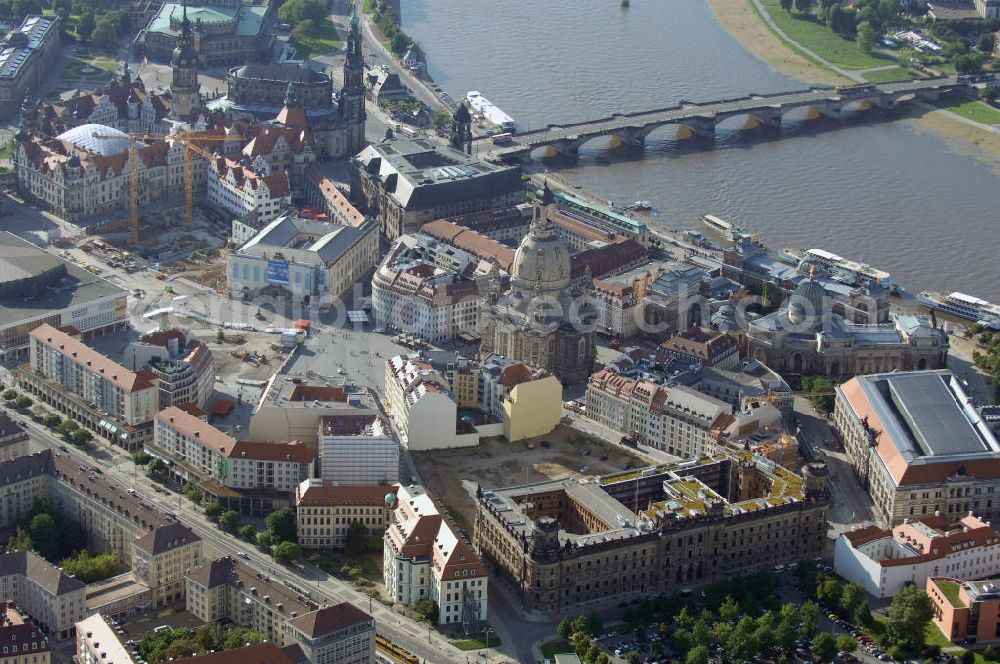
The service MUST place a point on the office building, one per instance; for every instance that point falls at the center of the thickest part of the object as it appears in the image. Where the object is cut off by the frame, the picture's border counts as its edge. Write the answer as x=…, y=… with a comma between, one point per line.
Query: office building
x=965, y=611
x=919, y=446
x=325, y=511
x=61, y=293
x=406, y=183
x=566, y=546
x=426, y=557
x=182, y=366
x=706, y=346
x=14, y=441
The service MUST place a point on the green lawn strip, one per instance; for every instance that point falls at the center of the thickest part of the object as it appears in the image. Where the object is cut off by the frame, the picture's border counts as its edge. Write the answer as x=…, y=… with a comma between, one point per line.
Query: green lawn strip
x=888, y=75
x=478, y=644
x=557, y=647
x=813, y=34
x=788, y=44
x=970, y=109
x=934, y=637
x=323, y=41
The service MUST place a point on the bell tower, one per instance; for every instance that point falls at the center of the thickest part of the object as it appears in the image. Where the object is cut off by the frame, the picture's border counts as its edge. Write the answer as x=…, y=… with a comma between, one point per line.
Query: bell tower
x=352, y=96
x=184, y=86
x=461, y=129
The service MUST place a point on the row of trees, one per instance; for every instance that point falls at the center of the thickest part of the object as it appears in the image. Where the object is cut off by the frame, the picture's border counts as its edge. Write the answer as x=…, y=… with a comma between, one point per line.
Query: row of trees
x=68, y=429
x=861, y=20
x=156, y=647
x=12, y=398
x=399, y=41
x=305, y=15
x=280, y=538
x=988, y=361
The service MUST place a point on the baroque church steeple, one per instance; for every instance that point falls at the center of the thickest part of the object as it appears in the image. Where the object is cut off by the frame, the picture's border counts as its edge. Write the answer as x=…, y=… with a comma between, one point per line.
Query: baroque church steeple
x=184, y=85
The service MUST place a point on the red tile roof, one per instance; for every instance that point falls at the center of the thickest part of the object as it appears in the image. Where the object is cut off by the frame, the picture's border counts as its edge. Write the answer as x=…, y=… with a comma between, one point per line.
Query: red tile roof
x=78, y=352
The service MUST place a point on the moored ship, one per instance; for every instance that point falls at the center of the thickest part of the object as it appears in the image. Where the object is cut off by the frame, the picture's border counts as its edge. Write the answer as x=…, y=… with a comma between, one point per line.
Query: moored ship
x=964, y=306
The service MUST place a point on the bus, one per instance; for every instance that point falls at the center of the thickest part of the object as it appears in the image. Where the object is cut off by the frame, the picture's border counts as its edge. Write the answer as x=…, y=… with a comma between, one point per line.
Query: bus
x=504, y=137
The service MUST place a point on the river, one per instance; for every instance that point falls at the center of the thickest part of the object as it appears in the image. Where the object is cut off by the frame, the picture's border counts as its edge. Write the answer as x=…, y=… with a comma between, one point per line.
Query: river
x=885, y=193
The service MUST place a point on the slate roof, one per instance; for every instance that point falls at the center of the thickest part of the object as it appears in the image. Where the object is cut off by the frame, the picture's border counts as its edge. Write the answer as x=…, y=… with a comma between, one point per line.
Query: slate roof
x=167, y=537
x=330, y=620
x=39, y=570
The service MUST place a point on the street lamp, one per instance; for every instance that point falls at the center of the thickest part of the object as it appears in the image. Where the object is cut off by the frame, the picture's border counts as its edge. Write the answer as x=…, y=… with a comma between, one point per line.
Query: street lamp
x=487, y=631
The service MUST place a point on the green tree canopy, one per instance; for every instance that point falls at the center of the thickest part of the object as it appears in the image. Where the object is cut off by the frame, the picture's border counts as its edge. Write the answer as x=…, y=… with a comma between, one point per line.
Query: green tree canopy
x=825, y=646
x=214, y=510
x=427, y=609
x=229, y=521
x=89, y=568
x=287, y=552
x=909, y=614
x=296, y=11
x=281, y=525
x=697, y=655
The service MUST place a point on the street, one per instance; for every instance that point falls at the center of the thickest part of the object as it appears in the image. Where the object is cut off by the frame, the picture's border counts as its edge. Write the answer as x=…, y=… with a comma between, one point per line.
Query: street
x=416, y=638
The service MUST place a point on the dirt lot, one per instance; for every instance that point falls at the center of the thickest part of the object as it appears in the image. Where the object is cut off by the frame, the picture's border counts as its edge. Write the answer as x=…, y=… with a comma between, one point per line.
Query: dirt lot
x=453, y=474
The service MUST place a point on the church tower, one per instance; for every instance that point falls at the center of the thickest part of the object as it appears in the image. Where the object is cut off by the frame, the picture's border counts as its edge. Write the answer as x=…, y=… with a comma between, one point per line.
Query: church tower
x=461, y=129
x=352, y=97
x=184, y=86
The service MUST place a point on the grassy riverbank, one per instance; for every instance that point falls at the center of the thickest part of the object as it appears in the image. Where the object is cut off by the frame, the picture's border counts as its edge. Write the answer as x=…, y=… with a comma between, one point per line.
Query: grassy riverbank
x=971, y=109
x=740, y=19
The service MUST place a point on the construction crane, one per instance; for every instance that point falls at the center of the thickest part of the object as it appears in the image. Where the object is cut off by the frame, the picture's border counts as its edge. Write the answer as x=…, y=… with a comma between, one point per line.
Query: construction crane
x=190, y=149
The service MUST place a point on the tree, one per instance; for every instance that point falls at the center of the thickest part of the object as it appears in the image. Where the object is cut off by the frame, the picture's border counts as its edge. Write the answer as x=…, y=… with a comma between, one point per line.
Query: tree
x=633, y=658
x=356, y=540
x=229, y=521
x=304, y=30
x=565, y=628
x=846, y=643
x=296, y=11
x=969, y=63
x=697, y=655
x=281, y=525
x=865, y=37
x=141, y=458
x=909, y=614
x=427, y=609
x=239, y=637
x=287, y=552
x=66, y=427
x=248, y=532
x=265, y=541
x=81, y=437
x=9, y=394
x=802, y=6
x=986, y=43
x=441, y=120
x=825, y=646
x=105, y=33
x=52, y=421
x=220, y=336
x=399, y=43
x=85, y=26
x=809, y=613
x=989, y=94
x=594, y=624
x=729, y=609
x=21, y=8
x=89, y=569
x=22, y=402
x=852, y=595
x=156, y=466
x=786, y=5
x=44, y=535
x=213, y=511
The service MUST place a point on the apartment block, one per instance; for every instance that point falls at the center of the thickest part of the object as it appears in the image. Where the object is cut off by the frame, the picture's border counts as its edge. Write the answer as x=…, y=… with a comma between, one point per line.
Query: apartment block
x=14, y=442
x=97, y=392
x=677, y=419
x=246, y=476
x=338, y=634
x=426, y=557
x=161, y=559
x=325, y=511
x=22, y=642
x=54, y=600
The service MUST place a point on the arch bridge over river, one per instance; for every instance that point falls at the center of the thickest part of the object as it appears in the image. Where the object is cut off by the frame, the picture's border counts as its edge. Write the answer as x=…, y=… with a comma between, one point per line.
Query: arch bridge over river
x=703, y=118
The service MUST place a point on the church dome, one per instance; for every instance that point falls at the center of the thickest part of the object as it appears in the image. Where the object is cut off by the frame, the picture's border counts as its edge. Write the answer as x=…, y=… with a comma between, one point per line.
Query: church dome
x=806, y=301
x=542, y=261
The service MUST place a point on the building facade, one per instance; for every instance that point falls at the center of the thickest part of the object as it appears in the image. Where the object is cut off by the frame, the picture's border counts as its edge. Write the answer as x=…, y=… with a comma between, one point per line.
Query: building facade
x=239, y=189
x=403, y=184
x=425, y=557
x=54, y=600
x=98, y=393
x=965, y=611
x=883, y=561
x=357, y=449
x=224, y=32
x=678, y=420
x=338, y=634
x=565, y=546
x=918, y=446
x=29, y=52
x=62, y=294
x=325, y=512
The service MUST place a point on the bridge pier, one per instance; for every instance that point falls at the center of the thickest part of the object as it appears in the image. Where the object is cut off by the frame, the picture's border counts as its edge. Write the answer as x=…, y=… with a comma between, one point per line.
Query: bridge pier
x=703, y=127
x=830, y=110
x=769, y=117
x=883, y=101
x=569, y=149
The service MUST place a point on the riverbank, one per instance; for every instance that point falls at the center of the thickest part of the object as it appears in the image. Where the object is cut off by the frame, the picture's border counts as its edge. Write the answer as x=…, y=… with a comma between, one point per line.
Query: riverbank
x=741, y=20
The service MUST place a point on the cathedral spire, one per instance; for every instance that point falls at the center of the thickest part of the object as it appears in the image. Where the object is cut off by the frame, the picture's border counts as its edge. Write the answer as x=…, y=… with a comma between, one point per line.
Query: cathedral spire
x=291, y=99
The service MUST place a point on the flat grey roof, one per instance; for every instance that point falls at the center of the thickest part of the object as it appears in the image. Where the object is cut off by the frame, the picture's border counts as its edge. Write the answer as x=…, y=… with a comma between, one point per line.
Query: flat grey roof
x=76, y=289
x=929, y=409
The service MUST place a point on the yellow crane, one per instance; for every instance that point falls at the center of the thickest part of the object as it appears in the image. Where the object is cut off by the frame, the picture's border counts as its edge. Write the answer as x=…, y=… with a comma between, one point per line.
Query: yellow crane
x=191, y=148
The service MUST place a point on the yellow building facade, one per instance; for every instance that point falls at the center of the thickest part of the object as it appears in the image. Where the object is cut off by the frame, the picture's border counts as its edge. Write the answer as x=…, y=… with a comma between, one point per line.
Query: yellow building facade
x=533, y=408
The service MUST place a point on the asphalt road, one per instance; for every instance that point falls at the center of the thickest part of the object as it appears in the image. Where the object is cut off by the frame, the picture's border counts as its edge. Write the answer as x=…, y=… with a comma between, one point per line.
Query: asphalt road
x=116, y=464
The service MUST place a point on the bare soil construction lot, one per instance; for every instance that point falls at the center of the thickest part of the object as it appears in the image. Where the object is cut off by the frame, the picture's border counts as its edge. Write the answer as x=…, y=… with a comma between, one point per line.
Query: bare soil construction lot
x=451, y=475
